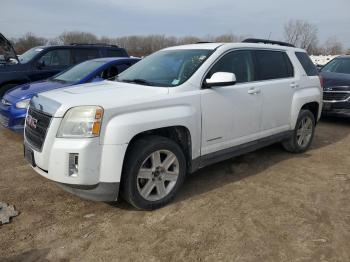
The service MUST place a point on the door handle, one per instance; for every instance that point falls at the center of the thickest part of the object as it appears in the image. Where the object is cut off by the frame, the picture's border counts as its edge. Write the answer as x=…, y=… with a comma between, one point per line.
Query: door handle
x=294, y=85
x=254, y=91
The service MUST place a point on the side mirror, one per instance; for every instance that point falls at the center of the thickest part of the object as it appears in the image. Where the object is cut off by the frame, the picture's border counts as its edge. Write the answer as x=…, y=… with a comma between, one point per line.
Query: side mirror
x=220, y=79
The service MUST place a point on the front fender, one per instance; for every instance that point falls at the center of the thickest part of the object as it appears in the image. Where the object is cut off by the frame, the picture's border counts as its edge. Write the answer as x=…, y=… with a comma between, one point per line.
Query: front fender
x=302, y=97
x=122, y=128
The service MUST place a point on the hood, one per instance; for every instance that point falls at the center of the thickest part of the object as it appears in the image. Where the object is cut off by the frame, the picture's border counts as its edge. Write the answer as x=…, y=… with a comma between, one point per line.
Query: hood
x=108, y=94
x=6, y=50
x=335, y=79
x=29, y=90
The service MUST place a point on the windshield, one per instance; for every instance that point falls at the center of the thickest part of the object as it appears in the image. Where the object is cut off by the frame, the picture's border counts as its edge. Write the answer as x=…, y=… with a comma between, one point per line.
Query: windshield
x=165, y=68
x=78, y=72
x=28, y=55
x=338, y=65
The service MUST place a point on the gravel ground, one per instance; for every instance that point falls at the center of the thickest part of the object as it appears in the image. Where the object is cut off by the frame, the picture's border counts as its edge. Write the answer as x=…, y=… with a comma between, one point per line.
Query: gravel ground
x=265, y=206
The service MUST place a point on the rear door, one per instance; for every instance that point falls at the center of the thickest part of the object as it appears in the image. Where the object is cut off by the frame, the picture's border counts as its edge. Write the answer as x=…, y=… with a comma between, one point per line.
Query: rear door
x=83, y=54
x=231, y=114
x=275, y=74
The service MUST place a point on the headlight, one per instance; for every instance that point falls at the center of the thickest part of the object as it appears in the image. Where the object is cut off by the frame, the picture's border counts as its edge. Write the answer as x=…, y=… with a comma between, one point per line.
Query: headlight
x=23, y=104
x=82, y=121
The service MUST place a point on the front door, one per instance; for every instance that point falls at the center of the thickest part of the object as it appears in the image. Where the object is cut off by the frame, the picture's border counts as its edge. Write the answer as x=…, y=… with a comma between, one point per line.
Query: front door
x=231, y=114
x=51, y=63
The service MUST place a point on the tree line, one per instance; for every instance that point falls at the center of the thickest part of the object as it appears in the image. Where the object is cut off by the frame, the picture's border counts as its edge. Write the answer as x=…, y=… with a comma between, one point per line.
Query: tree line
x=298, y=32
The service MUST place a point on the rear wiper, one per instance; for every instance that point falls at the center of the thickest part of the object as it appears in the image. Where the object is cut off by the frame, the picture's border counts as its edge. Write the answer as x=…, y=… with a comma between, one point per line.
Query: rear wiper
x=138, y=81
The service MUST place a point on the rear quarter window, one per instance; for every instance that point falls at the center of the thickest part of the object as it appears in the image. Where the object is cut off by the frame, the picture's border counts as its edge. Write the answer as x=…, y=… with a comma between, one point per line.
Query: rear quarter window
x=81, y=55
x=115, y=53
x=273, y=65
x=307, y=64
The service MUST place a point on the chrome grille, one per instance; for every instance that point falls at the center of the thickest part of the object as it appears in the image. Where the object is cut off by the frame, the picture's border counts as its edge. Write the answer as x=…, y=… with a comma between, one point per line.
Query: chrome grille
x=335, y=96
x=36, y=128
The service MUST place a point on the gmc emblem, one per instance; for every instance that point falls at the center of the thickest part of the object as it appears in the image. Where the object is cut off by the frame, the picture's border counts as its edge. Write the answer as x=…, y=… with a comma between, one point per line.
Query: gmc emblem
x=31, y=121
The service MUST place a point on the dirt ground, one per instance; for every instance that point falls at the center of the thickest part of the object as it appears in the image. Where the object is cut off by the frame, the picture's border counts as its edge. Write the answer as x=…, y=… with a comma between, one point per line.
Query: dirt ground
x=265, y=206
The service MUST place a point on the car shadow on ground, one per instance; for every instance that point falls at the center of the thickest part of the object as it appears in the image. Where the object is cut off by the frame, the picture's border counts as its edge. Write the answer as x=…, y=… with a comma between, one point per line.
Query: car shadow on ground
x=239, y=168
x=33, y=255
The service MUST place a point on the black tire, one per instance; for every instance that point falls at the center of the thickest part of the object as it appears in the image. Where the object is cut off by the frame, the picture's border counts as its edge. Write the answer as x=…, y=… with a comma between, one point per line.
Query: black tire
x=5, y=88
x=292, y=145
x=137, y=154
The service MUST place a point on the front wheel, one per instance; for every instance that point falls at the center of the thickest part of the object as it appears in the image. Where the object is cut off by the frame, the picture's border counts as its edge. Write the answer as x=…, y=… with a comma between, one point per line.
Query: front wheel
x=303, y=133
x=154, y=170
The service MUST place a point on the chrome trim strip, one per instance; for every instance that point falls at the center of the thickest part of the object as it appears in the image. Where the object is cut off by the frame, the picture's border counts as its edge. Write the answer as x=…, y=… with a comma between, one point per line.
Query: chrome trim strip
x=337, y=101
x=346, y=92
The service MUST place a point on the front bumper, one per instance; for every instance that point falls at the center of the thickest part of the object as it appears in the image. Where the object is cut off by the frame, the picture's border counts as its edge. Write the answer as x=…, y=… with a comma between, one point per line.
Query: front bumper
x=336, y=107
x=107, y=192
x=12, y=118
x=99, y=166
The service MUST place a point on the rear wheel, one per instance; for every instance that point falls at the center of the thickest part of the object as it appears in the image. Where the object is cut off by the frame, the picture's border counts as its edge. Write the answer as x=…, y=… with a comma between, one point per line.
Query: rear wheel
x=154, y=170
x=303, y=133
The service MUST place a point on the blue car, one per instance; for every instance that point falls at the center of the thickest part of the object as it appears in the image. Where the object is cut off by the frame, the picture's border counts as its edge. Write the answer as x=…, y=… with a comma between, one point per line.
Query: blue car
x=13, y=106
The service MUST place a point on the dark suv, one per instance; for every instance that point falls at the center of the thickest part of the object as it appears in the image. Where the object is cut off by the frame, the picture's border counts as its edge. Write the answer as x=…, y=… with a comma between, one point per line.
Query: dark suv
x=45, y=61
x=336, y=92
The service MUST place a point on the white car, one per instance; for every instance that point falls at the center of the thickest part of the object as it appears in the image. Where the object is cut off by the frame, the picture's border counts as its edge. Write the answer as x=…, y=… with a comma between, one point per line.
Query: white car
x=174, y=112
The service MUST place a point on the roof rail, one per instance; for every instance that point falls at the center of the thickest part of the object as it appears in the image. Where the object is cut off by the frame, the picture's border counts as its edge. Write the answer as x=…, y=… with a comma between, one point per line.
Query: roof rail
x=204, y=42
x=98, y=44
x=265, y=41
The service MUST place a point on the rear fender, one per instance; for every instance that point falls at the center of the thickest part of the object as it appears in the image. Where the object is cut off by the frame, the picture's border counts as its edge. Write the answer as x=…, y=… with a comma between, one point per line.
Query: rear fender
x=302, y=97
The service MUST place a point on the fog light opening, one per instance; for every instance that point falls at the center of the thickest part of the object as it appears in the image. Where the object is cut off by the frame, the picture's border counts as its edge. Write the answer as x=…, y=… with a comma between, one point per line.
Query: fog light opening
x=73, y=164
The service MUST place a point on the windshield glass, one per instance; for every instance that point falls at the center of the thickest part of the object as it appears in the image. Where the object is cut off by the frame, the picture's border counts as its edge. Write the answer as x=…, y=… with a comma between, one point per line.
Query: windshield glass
x=165, y=68
x=28, y=55
x=78, y=72
x=338, y=65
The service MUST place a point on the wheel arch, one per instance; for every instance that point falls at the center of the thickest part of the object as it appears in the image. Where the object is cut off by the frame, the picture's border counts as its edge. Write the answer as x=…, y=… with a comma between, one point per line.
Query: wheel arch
x=179, y=134
x=308, y=98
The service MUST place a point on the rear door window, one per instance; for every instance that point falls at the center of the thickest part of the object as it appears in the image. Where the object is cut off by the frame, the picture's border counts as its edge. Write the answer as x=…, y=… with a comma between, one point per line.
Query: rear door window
x=307, y=64
x=59, y=57
x=273, y=65
x=81, y=55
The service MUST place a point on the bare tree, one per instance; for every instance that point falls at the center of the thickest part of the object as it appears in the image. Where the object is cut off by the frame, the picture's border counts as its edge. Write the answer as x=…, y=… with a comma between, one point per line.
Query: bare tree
x=301, y=34
x=333, y=46
x=28, y=41
x=77, y=37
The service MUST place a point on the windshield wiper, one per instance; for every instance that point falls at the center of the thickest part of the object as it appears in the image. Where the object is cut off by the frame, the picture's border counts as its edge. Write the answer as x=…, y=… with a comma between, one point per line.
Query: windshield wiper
x=138, y=81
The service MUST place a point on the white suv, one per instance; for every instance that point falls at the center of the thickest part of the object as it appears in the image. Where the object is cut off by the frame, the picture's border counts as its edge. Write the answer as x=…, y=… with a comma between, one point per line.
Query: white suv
x=174, y=112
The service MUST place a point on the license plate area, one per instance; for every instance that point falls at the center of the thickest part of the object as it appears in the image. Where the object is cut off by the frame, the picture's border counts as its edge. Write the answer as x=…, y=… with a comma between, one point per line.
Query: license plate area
x=29, y=156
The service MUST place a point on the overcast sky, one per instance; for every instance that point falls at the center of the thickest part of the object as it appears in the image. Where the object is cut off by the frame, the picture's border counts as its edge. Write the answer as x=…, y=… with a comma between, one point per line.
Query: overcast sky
x=113, y=18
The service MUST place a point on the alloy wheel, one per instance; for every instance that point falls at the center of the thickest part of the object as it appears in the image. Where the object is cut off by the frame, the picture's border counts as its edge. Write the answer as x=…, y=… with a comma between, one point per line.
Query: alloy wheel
x=304, y=132
x=158, y=175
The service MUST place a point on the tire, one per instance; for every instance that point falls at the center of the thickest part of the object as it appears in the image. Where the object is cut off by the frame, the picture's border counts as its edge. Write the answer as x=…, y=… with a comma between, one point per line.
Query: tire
x=164, y=169
x=296, y=144
x=5, y=88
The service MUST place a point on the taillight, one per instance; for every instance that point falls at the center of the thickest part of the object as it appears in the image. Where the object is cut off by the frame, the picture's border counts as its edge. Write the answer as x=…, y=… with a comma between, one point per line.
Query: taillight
x=321, y=82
